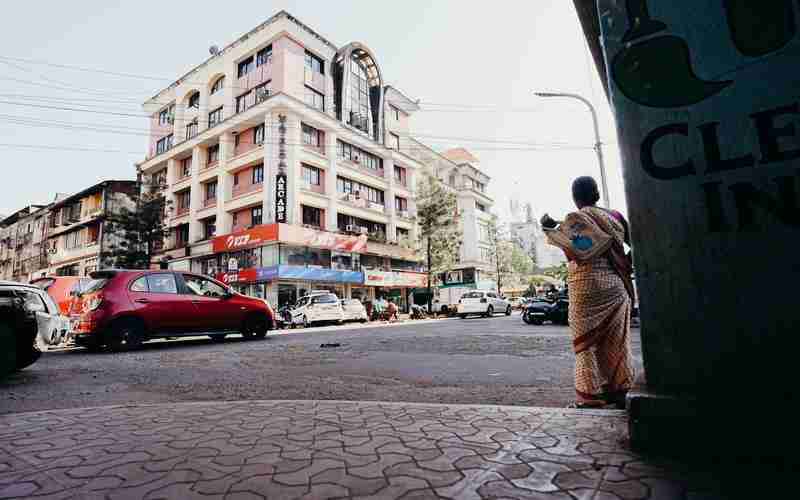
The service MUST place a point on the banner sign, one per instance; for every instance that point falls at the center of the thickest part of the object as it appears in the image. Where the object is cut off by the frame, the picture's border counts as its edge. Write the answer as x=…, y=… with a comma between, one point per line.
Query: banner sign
x=246, y=275
x=395, y=279
x=280, y=198
x=304, y=236
x=248, y=238
x=319, y=274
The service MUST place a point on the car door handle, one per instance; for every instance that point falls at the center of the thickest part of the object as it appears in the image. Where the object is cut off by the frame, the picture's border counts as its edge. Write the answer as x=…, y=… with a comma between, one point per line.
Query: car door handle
x=142, y=301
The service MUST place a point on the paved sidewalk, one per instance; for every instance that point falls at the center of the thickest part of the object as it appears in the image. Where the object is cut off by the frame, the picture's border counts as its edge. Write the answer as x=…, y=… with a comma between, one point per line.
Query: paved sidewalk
x=328, y=449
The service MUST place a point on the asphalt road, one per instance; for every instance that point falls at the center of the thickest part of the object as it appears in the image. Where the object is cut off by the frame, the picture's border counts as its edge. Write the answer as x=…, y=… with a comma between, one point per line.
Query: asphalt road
x=497, y=360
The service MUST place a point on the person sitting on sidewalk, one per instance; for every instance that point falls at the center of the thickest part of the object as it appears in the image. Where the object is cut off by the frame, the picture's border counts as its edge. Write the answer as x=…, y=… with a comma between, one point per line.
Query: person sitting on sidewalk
x=391, y=311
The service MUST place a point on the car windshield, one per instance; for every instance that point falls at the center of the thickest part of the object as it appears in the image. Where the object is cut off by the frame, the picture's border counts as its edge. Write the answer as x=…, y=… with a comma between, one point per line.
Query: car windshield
x=473, y=295
x=325, y=299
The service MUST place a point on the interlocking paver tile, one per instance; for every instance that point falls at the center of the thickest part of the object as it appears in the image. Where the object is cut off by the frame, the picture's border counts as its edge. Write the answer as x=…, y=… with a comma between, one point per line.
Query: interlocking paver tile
x=318, y=449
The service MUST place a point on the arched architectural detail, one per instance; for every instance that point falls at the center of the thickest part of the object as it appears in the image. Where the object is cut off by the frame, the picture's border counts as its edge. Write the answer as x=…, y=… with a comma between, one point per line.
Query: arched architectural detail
x=358, y=85
x=219, y=77
x=188, y=96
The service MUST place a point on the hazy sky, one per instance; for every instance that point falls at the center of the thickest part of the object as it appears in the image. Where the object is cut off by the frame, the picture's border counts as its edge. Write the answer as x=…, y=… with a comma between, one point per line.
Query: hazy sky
x=473, y=66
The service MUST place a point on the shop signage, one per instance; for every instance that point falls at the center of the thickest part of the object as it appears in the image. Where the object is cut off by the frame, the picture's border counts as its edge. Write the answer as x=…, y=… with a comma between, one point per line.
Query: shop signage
x=304, y=236
x=280, y=198
x=248, y=238
x=458, y=277
x=395, y=279
x=246, y=275
x=319, y=274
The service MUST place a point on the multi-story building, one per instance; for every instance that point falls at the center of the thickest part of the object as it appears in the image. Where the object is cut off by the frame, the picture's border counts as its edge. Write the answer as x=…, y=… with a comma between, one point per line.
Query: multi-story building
x=526, y=231
x=76, y=240
x=282, y=160
x=459, y=170
x=21, y=237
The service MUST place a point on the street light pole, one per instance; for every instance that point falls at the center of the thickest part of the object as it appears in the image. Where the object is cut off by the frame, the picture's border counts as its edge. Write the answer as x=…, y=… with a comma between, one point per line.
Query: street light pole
x=597, y=144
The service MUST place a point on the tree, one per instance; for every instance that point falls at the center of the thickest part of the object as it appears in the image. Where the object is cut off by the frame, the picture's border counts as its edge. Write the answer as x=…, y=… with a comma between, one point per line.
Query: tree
x=500, y=250
x=522, y=263
x=137, y=235
x=439, y=232
x=558, y=272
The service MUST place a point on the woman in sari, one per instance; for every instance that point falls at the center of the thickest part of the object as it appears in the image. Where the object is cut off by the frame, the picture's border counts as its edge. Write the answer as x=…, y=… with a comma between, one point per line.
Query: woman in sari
x=600, y=296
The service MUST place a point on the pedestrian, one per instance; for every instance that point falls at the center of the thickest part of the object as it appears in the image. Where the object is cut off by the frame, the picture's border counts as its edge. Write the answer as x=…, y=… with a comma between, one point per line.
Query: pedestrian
x=600, y=296
x=391, y=311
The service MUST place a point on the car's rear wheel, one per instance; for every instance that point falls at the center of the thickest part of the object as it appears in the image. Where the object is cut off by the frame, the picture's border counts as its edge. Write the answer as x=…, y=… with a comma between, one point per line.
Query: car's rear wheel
x=125, y=335
x=489, y=311
x=508, y=311
x=306, y=323
x=462, y=316
x=218, y=337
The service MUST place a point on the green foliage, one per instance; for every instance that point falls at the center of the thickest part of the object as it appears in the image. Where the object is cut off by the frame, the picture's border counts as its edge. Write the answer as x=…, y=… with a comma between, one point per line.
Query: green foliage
x=557, y=272
x=137, y=235
x=521, y=262
x=439, y=231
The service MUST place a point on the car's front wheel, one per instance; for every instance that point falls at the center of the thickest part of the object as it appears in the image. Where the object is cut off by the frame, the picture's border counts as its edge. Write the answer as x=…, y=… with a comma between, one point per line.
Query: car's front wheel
x=489, y=311
x=125, y=334
x=218, y=337
x=255, y=327
x=508, y=311
x=462, y=316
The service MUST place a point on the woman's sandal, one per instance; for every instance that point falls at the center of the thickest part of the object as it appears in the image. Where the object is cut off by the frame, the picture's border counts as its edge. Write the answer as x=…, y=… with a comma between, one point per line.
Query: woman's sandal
x=589, y=405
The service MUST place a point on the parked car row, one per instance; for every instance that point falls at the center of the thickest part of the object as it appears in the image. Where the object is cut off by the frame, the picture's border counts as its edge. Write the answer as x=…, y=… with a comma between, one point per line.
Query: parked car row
x=321, y=306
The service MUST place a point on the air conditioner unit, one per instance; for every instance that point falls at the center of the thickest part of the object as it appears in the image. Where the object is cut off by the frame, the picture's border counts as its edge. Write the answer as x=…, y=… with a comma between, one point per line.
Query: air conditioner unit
x=351, y=228
x=262, y=95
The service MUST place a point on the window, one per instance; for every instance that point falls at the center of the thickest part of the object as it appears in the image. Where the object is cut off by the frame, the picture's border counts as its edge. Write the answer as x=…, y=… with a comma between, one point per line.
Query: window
x=182, y=235
x=314, y=63
x=236, y=179
x=483, y=232
x=263, y=91
x=359, y=95
x=209, y=228
x=194, y=100
x=395, y=112
x=372, y=227
x=213, y=154
x=183, y=199
x=235, y=221
x=400, y=175
x=347, y=186
x=352, y=153
x=167, y=115
x=400, y=204
x=215, y=117
x=486, y=255
x=211, y=191
x=162, y=283
x=402, y=233
x=315, y=99
x=196, y=285
x=256, y=216
x=164, y=144
x=312, y=216
x=191, y=129
x=246, y=66
x=258, y=134
x=312, y=136
x=264, y=56
x=218, y=85
x=73, y=240
x=139, y=285
x=311, y=175
x=258, y=174
x=241, y=102
x=186, y=167
x=394, y=141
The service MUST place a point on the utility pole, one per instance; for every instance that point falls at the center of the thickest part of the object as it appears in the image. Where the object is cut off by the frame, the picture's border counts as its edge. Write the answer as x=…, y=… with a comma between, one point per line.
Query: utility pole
x=597, y=143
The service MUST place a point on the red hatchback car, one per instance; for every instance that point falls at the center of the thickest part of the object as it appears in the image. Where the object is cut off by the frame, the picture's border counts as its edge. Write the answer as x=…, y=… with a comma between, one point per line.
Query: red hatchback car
x=123, y=308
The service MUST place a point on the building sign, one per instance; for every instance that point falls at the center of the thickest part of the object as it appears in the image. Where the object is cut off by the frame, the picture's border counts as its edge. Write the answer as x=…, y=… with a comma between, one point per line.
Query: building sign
x=248, y=238
x=280, y=198
x=319, y=274
x=308, y=237
x=246, y=275
x=458, y=277
x=395, y=279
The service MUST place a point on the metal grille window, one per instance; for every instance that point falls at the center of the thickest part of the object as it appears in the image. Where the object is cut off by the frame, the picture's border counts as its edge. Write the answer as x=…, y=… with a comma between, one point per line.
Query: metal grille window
x=183, y=199
x=256, y=216
x=312, y=136
x=357, y=155
x=258, y=134
x=312, y=216
x=263, y=91
x=191, y=129
x=241, y=102
x=314, y=63
x=347, y=186
x=400, y=204
x=194, y=100
x=215, y=117
x=186, y=167
x=166, y=116
x=315, y=99
x=264, y=56
x=211, y=191
x=246, y=66
x=164, y=144
x=213, y=153
x=311, y=175
x=218, y=85
x=258, y=174
x=209, y=230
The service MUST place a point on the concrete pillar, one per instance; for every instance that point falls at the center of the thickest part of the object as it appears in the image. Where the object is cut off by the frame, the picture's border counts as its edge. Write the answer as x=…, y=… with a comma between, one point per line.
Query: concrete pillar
x=710, y=155
x=388, y=171
x=224, y=219
x=293, y=146
x=197, y=195
x=330, y=181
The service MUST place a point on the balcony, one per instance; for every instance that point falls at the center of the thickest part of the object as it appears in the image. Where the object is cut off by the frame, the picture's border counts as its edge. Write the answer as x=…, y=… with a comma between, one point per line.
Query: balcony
x=181, y=211
x=245, y=147
x=314, y=188
x=405, y=214
x=375, y=172
x=241, y=189
x=351, y=199
x=319, y=150
x=210, y=202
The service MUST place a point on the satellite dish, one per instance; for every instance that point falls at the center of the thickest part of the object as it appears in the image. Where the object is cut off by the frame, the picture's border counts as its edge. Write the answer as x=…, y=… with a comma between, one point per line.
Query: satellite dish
x=213, y=50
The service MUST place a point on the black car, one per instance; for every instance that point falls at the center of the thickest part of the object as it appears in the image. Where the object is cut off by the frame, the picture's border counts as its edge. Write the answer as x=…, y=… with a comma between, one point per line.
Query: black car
x=18, y=330
x=554, y=310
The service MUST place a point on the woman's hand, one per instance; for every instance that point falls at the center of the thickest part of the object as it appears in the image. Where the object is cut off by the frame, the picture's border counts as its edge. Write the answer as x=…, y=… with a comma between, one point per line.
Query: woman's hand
x=547, y=222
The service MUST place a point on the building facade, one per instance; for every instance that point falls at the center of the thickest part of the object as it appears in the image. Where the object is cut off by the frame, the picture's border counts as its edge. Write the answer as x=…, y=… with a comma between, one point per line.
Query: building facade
x=76, y=239
x=282, y=160
x=525, y=230
x=21, y=236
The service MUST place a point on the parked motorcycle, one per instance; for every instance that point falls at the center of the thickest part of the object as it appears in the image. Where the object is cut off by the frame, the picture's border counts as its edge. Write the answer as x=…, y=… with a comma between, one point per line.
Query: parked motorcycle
x=541, y=310
x=418, y=312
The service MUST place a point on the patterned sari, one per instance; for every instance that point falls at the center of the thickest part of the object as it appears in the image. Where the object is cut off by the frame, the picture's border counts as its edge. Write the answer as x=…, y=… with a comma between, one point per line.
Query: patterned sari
x=600, y=298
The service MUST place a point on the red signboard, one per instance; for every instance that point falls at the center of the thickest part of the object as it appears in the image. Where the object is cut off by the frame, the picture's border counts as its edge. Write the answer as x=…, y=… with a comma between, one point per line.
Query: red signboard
x=305, y=236
x=247, y=275
x=248, y=238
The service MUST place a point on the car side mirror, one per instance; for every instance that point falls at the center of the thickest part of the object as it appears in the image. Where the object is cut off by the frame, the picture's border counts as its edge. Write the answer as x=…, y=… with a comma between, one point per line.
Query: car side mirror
x=35, y=307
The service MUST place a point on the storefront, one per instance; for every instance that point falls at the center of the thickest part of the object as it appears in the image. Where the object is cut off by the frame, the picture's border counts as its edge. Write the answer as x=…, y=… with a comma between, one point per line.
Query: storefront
x=395, y=286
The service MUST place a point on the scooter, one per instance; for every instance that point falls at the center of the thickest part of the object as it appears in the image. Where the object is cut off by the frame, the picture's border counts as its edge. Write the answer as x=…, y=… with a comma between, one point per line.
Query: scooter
x=418, y=312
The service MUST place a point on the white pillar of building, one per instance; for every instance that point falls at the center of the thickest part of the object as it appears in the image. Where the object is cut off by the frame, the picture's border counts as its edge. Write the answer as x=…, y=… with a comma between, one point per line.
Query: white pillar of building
x=293, y=146
x=196, y=198
x=331, y=217
x=224, y=219
x=271, y=160
x=411, y=185
x=388, y=172
x=169, y=196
